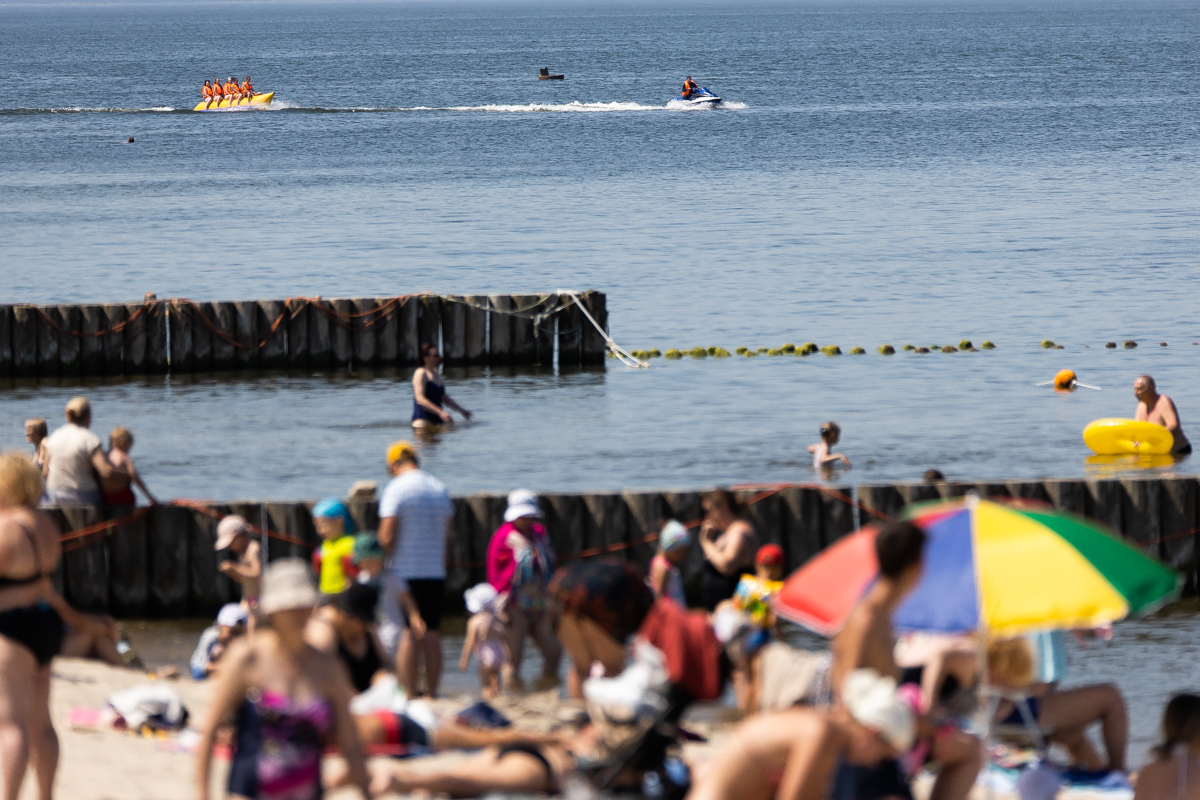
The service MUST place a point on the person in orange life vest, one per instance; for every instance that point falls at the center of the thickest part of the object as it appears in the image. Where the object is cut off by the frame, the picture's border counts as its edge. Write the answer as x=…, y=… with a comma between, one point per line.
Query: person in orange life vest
x=232, y=91
x=689, y=88
x=247, y=88
x=208, y=91
x=218, y=94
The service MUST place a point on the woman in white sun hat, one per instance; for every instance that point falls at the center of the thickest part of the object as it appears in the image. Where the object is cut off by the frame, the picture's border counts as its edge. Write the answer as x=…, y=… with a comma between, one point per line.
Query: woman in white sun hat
x=520, y=564
x=286, y=698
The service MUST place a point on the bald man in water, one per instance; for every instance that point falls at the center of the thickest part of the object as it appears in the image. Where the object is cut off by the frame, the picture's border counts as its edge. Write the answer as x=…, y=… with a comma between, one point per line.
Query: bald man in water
x=1160, y=409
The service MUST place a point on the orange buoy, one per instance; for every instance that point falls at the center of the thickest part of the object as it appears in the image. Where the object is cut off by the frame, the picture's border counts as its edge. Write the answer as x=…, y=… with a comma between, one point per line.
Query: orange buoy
x=1065, y=380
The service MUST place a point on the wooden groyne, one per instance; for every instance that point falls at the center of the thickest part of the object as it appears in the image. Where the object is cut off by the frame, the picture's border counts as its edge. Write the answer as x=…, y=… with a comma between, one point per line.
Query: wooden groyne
x=182, y=336
x=160, y=561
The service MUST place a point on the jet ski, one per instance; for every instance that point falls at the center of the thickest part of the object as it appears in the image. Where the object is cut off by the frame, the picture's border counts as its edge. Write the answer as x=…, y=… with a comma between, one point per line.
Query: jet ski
x=700, y=97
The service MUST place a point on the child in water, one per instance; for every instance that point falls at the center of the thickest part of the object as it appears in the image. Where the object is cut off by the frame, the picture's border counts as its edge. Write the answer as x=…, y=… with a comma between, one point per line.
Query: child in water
x=485, y=638
x=823, y=455
x=664, y=579
x=117, y=489
x=35, y=434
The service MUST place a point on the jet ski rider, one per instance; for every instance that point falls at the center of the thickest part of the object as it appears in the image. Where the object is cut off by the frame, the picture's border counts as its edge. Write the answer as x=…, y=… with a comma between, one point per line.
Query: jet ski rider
x=689, y=88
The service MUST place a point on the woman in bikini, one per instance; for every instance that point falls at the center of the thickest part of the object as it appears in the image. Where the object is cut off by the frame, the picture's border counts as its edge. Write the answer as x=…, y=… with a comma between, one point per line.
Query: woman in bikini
x=1175, y=772
x=31, y=630
x=286, y=699
x=519, y=767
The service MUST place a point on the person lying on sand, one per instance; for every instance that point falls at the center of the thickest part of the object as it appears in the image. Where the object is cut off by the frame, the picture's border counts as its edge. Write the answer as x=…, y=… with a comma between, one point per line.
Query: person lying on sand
x=796, y=754
x=523, y=765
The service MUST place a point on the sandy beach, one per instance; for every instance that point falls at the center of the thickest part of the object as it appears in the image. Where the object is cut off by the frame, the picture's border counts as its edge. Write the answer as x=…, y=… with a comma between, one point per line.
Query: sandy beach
x=116, y=765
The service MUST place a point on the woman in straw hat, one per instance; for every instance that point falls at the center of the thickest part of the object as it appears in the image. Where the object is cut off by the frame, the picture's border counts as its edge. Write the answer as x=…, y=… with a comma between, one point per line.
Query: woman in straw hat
x=285, y=698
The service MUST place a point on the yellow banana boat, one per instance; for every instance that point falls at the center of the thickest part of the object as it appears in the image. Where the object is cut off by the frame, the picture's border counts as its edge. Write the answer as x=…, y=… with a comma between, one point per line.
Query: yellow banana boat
x=256, y=100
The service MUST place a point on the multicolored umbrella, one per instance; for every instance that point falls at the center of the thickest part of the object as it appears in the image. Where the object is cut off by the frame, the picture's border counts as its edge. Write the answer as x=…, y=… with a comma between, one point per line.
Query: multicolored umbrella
x=1003, y=567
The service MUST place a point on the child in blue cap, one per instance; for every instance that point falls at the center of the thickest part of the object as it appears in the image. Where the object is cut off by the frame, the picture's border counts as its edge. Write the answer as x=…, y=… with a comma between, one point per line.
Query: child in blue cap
x=333, y=561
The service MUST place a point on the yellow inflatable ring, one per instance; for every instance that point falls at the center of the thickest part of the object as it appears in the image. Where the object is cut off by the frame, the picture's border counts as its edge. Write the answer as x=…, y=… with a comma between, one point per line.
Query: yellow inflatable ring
x=1110, y=437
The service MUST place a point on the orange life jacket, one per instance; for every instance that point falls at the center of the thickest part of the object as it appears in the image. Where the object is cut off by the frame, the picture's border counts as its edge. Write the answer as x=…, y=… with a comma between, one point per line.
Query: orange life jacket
x=231, y=88
x=206, y=91
x=688, y=88
x=217, y=90
x=247, y=88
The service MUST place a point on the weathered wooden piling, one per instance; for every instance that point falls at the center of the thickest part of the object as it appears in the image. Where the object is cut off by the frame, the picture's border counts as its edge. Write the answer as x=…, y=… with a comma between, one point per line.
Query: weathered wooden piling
x=208, y=588
x=297, y=334
x=429, y=320
x=134, y=338
x=454, y=331
x=343, y=337
x=475, y=332
x=223, y=317
x=594, y=344
x=86, y=573
x=272, y=322
x=24, y=341
x=365, y=330
x=6, y=351
x=524, y=331
x=570, y=336
x=500, y=347
x=115, y=315
x=49, y=363
x=155, y=326
x=129, y=573
x=248, y=334
x=409, y=323
x=320, y=336
x=182, y=324
x=70, y=322
x=387, y=332
x=167, y=539
x=91, y=344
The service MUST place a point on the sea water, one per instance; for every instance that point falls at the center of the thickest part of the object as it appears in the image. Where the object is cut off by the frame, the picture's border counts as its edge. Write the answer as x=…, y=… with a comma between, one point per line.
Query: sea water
x=881, y=173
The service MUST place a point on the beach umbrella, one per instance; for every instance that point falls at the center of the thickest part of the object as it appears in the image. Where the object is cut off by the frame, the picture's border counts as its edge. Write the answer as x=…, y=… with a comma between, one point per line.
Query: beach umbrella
x=1009, y=568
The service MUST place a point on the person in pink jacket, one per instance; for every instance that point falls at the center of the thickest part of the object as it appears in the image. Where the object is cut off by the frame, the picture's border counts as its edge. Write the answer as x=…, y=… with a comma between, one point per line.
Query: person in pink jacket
x=520, y=564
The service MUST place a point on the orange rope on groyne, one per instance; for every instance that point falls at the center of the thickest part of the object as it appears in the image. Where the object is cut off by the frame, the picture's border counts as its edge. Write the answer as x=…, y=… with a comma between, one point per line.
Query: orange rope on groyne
x=73, y=539
x=343, y=319
x=146, y=308
x=196, y=505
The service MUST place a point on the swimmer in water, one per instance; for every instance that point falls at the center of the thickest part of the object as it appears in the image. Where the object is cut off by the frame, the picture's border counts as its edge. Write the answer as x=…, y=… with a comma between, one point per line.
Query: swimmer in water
x=1160, y=409
x=823, y=457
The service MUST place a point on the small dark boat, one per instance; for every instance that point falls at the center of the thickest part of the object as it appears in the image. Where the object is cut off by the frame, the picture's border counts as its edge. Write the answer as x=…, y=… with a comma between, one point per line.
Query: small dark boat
x=544, y=75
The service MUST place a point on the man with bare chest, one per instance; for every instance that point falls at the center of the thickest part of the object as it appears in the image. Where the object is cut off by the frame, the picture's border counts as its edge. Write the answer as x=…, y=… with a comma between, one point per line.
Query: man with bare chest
x=1160, y=409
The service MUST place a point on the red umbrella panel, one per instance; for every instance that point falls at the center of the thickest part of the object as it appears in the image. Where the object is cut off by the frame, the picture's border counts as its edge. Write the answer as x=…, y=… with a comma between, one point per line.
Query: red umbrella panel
x=821, y=594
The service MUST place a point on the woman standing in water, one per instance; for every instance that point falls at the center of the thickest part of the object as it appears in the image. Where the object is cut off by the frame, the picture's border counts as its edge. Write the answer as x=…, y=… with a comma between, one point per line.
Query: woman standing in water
x=285, y=698
x=31, y=630
x=429, y=393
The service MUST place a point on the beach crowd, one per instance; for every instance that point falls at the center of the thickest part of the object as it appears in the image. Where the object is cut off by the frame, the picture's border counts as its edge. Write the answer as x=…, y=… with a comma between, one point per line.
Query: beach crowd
x=342, y=651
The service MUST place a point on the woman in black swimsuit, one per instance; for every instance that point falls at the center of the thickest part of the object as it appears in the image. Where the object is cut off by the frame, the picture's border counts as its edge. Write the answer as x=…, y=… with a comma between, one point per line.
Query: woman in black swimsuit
x=31, y=630
x=429, y=393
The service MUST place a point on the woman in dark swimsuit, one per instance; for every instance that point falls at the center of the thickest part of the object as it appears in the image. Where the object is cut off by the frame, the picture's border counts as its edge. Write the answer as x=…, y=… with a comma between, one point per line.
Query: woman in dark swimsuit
x=31, y=630
x=346, y=628
x=429, y=393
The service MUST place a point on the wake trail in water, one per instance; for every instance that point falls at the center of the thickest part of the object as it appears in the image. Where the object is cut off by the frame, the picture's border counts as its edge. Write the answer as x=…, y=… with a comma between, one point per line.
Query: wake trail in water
x=511, y=108
x=80, y=110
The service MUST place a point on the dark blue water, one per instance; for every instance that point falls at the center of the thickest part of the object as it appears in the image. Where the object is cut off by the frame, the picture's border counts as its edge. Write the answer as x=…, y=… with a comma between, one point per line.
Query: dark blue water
x=894, y=172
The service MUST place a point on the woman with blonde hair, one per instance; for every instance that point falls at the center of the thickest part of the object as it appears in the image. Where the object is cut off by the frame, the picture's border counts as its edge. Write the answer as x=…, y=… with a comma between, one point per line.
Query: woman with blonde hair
x=31, y=630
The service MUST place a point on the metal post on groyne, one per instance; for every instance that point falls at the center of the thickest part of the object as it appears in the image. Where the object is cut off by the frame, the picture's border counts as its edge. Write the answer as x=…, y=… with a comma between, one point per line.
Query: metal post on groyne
x=159, y=561
x=181, y=336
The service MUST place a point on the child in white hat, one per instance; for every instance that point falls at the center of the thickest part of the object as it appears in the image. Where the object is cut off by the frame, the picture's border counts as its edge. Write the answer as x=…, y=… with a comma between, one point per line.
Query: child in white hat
x=485, y=638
